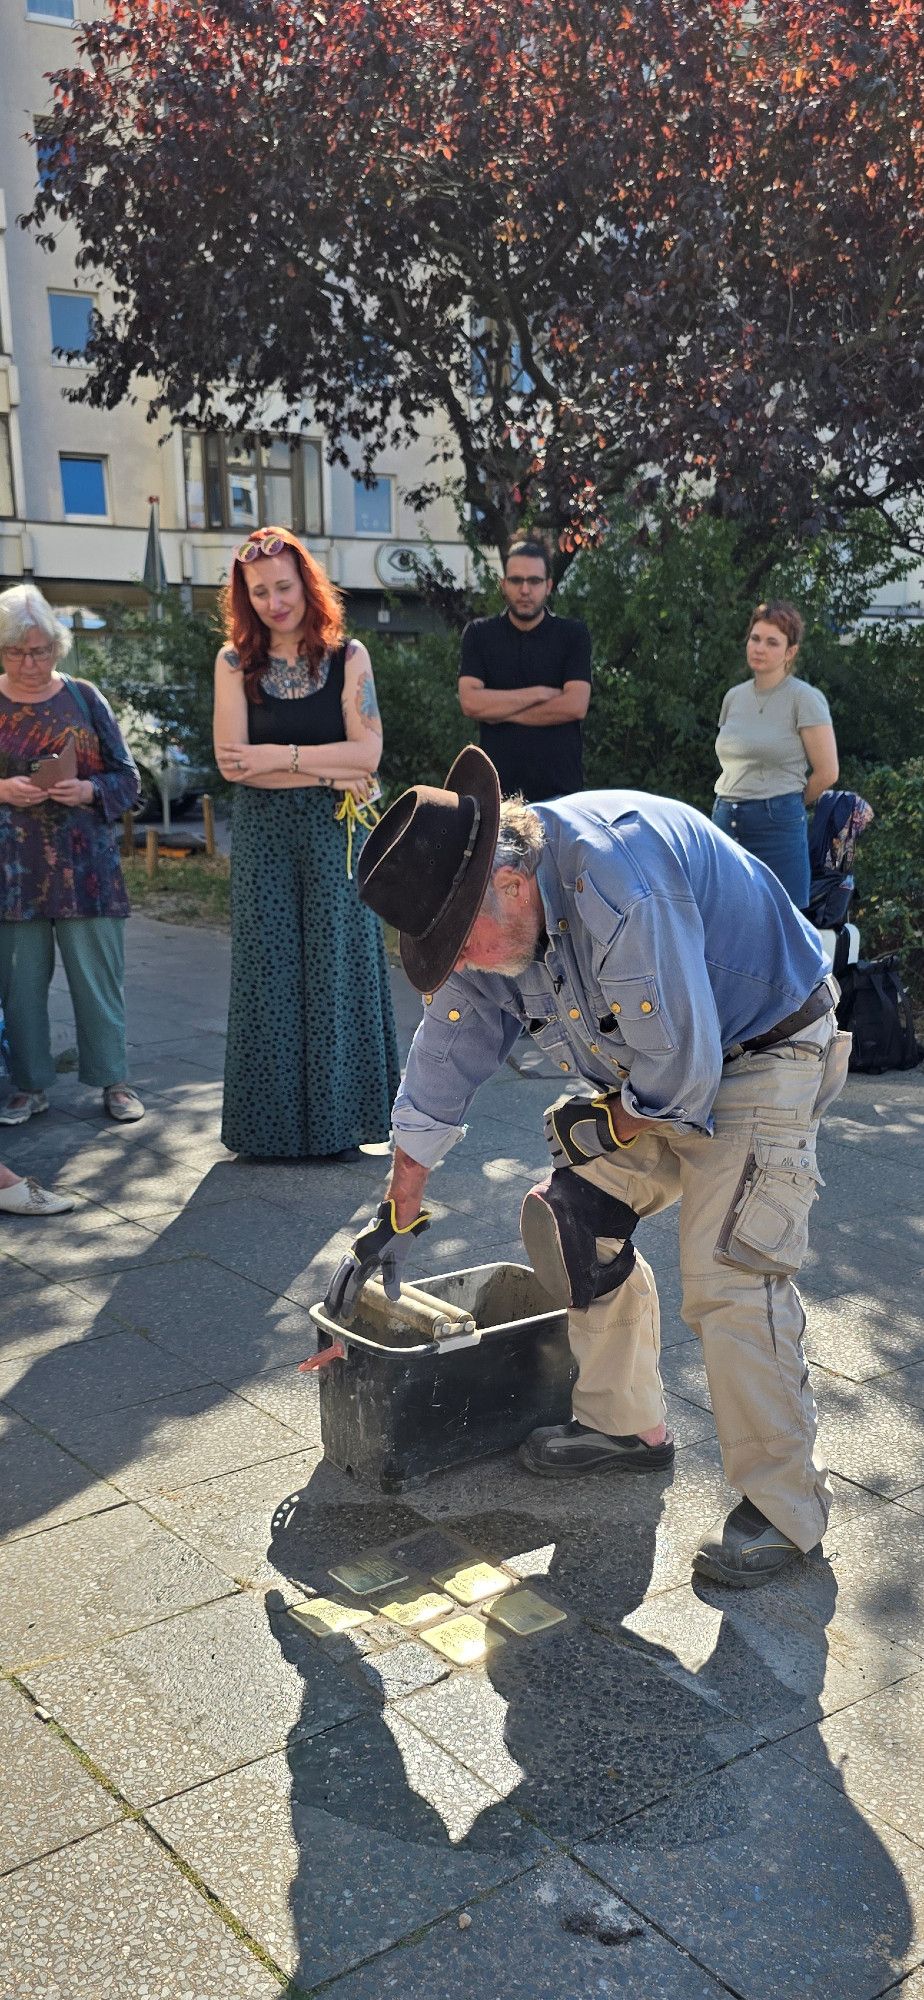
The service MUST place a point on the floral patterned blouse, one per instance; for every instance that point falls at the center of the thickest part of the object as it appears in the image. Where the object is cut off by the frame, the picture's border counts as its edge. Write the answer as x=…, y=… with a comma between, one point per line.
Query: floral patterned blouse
x=63, y=861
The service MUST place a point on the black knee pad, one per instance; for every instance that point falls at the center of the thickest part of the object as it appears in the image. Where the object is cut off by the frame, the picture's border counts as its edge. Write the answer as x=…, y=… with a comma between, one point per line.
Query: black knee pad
x=560, y=1223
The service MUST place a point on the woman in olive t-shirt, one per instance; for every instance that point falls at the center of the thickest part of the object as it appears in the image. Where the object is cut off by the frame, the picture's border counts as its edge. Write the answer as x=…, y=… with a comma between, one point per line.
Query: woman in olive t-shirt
x=777, y=751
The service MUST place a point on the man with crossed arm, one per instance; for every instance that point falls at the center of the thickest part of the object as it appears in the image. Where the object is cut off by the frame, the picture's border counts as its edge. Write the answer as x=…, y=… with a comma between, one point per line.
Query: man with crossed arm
x=525, y=679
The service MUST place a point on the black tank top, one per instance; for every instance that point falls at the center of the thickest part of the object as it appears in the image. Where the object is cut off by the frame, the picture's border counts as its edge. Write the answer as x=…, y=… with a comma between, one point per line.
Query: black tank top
x=302, y=718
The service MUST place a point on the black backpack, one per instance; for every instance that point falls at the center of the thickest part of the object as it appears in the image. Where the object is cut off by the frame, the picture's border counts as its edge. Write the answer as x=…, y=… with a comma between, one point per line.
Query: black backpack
x=875, y=1009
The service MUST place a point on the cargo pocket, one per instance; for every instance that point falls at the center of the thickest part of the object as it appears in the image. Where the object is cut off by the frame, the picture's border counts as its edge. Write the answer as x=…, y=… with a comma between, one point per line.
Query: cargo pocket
x=834, y=1074
x=766, y=1228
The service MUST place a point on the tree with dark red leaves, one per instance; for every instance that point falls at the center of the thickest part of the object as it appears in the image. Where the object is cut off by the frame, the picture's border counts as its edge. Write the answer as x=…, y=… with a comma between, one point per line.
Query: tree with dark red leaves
x=595, y=248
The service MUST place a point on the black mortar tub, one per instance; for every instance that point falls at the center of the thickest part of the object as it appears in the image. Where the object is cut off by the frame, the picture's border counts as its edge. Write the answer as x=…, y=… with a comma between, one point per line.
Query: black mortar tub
x=396, y=1409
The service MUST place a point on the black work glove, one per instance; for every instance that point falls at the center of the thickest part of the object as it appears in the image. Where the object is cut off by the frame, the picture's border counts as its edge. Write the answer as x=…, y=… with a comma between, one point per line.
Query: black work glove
x=579, y=1129
x=380, y=1246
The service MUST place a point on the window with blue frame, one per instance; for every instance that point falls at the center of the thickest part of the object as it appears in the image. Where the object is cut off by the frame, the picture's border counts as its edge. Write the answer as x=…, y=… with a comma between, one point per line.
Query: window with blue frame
x=50, y=10
x=372, y=508
x=83, y=486
x=70, y=313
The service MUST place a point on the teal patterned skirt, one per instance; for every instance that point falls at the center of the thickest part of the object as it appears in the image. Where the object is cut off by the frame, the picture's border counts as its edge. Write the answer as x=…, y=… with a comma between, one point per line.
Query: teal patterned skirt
x=312, y=1062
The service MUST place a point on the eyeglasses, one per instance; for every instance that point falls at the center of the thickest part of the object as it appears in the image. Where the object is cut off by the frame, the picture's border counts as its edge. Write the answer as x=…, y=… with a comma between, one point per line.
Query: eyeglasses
x=267, y=545
x=17, y=655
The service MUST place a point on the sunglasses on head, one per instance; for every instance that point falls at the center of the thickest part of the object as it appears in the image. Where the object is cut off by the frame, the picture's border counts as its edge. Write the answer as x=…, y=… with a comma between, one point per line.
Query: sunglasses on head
x=261, y=545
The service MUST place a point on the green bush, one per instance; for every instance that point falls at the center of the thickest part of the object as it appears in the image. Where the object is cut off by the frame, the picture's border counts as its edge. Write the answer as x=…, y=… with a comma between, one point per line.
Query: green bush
x=424, y=728
x=890, y=869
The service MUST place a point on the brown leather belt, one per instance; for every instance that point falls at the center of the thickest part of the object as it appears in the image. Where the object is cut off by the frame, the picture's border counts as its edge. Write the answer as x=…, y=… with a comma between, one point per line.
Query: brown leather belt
x=818, y=1003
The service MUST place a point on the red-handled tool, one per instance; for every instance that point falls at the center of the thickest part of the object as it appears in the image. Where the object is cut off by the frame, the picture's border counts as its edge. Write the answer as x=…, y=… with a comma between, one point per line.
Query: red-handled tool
x=335, y=1352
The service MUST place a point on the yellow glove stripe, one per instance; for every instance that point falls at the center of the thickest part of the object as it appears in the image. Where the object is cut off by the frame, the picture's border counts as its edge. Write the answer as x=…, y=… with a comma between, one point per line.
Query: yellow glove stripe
x=602, y=1104
x=424, y=1216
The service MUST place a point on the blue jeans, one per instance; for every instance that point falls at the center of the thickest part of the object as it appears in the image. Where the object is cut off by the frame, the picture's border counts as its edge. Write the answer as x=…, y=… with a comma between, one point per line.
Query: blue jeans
x=776, y=831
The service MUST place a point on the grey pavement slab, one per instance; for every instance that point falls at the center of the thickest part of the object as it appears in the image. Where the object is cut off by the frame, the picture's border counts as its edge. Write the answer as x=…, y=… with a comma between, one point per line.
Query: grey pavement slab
x=554, y=1934
x=864, y=1337
x=775, y=1881
x=873, y=1751
x=907, y=1385
x=403, y=1668
x=38, y=1316
x=510, y=1725
x=351, y=1842
x=41, y=1485
x=47, y=1798
x=293, y=1399
x=260, y=1240
x=112, y=1915
x=85, y=1379
x=228, y=1519
x=196, y=1309
x=869, y=1433
x=153, y=1447
x=92, y=1578
x=94, y=1240
x=777, y=1663
x=166, y=1708
x=156, y=1182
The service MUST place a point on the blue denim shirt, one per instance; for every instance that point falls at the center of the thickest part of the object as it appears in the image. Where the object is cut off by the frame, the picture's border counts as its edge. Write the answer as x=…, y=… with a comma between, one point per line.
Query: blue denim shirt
x=667, y=944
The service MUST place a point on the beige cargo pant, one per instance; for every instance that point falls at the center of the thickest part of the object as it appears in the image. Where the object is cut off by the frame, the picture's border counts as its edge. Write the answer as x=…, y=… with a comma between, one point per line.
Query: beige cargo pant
x=745, y=1197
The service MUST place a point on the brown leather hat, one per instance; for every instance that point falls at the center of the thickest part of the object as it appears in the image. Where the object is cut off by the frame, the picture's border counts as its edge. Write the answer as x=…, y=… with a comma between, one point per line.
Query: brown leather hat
x=426, y=866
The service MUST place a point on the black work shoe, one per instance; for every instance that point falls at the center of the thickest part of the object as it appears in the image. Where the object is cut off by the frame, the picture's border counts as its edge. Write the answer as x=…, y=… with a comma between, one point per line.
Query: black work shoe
x=565, y=1451
x=745, y=1551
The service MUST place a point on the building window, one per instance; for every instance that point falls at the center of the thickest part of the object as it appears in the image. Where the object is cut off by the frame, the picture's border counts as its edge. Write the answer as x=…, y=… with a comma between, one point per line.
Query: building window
x=7, y=496
x=50, y=10
x=71, y=314
x=83, y=487
x=47, y=149
x=231, y=482
x=372, y=508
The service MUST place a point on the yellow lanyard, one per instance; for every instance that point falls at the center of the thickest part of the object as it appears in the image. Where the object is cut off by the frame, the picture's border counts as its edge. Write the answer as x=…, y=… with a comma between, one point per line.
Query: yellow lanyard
x=354, y=815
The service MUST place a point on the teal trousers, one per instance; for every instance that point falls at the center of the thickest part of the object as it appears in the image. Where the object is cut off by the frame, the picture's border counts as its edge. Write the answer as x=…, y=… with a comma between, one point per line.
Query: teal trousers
x=93, y=955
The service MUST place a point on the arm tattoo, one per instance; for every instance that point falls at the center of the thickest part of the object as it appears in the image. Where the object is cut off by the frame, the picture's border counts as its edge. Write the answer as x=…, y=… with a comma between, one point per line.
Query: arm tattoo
x=366, y=704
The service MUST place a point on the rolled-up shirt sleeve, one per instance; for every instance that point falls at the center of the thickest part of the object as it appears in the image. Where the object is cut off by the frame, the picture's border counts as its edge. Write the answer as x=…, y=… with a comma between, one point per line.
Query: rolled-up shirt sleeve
x=655, y=979
x=461, y=1041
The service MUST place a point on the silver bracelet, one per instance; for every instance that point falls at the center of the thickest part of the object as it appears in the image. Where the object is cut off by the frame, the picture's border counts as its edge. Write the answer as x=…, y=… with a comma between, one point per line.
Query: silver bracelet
x=293, y=757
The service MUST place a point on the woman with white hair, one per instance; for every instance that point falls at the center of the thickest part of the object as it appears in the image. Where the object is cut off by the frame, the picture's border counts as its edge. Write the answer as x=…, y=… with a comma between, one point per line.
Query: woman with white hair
x=66, y=777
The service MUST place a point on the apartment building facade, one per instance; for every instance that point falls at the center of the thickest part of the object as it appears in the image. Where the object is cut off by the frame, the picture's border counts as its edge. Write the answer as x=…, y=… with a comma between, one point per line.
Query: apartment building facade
x=76, y=484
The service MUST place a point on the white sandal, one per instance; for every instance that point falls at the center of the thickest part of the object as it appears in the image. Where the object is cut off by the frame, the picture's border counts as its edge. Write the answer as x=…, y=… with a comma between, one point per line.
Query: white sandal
x=22, y=1105
x=28, y=1198
x=122, y=1102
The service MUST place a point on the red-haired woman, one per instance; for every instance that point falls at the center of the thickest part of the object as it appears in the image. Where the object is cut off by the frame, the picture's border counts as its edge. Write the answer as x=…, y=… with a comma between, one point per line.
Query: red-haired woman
x=311, y=1066
x=777, y=751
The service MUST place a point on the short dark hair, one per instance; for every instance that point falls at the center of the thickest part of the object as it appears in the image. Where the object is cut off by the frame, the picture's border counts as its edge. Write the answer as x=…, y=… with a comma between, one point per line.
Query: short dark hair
x=530, y=545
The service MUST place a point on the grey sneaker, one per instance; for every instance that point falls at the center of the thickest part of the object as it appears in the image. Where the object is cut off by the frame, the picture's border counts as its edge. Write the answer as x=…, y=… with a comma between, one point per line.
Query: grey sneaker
x=745, y=1550
x=566, y=1451
x=23, y=1104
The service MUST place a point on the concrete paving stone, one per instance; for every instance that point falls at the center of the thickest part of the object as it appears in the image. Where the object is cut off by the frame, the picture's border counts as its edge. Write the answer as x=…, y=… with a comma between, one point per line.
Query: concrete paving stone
x=322, y=1187
x=687, y=1422
x=910, y=1989
x=165, y=1708
x=92, y=1578
x=885, y=1263
x=863, y=1337
x=328, y=1521
x=169, y=1442
x=907, y=1385
x=894, y=1187
x=262, y=1242
x=914, y=1500
x=338, y=1851
x=601, y=1542
x=206, y=1050
x=293, y=1399
x=554, y=1934
x=869, y=1433
x=47, y=1798
x=571, y=1782
x=40, y=1485
x=112, y=1915
x=88, y=1378
x=143, y=1186
x=774, y=1881
x=872, y=1752
x=776, y=1664
x=209, y=1316
x=683, y=1371
x=402, y=1669
x=876, y=1555
x=228, y=1519
x=39, y=1316
x=94, y=1240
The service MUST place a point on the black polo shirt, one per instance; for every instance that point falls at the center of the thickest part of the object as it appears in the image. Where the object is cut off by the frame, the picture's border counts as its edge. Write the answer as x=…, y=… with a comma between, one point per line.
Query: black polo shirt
x=540, y=763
